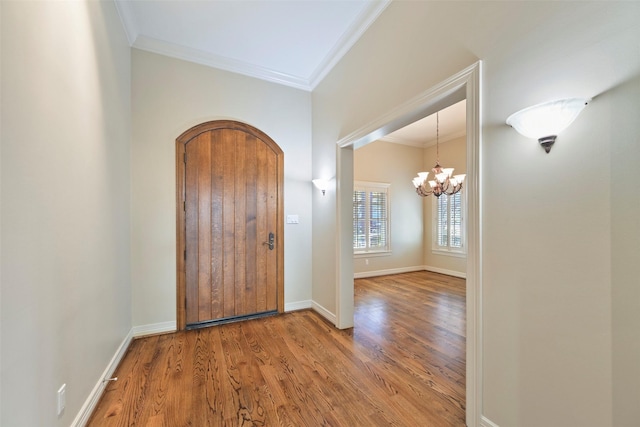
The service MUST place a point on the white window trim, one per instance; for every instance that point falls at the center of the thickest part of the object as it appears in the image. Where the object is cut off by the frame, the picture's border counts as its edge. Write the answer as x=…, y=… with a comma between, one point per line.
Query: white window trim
x=367, y=186
x=371, y=254
x=453, y=252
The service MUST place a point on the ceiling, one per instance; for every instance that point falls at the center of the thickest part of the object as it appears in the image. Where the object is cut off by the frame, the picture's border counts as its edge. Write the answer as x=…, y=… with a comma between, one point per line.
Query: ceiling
x=449, y=124
x=289, y=42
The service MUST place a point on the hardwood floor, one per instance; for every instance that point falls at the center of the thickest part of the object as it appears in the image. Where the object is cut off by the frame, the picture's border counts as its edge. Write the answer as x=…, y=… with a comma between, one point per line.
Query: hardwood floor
x=402, y=365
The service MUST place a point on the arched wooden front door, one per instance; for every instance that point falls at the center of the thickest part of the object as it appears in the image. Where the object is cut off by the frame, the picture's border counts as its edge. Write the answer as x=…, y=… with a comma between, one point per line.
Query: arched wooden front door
x=229, y=224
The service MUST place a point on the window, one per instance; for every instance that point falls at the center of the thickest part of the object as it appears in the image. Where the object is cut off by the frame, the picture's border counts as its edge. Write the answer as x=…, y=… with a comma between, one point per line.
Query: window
x=370, y=217
x=449, y=228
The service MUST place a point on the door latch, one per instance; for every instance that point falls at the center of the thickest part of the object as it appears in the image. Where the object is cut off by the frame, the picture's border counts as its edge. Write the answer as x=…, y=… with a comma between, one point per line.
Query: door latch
x=271, y=241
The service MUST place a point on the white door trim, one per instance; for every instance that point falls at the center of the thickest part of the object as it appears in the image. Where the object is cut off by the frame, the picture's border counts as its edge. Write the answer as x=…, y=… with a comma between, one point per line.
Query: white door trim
x=465, y=84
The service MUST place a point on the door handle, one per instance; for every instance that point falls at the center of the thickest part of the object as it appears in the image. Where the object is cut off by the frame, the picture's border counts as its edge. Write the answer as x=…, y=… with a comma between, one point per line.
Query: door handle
x=271, y=241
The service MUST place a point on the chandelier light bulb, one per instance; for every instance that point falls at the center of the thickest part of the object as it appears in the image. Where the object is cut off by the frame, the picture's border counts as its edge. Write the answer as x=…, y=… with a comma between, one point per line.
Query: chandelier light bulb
x=443, y=182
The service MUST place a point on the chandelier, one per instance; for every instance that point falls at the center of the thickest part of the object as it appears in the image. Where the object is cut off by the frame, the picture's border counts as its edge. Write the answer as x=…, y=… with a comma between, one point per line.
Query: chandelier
x=443, y=182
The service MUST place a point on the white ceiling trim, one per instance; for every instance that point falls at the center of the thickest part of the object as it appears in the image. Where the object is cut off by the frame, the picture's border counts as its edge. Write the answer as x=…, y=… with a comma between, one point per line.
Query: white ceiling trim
x=429, y=143
x=367, y=17
x=128, y=20
x=402, y=141
x=364, y=20
x=216, y=61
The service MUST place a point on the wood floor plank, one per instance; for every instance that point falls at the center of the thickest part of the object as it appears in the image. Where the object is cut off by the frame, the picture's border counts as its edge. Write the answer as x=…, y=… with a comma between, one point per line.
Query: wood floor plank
x=403, y=364
x=124, y=398
x=351, y=385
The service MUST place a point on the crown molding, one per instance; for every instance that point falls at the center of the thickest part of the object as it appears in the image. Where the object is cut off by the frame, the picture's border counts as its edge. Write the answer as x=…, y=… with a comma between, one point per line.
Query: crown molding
x=446, y=138
x=429, y=143
x=216, y=61
x=401, y=141
x=364, y=20
x=150, y=44
x=128, y=20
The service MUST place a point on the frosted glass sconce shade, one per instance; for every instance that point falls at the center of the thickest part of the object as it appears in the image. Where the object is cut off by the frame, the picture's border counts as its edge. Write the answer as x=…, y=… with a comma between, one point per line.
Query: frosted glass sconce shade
x=545, y=121
x=321, y=184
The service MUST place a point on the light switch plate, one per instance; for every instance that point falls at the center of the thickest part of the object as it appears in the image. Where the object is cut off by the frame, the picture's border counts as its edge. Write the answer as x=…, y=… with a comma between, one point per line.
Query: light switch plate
x=293, y=219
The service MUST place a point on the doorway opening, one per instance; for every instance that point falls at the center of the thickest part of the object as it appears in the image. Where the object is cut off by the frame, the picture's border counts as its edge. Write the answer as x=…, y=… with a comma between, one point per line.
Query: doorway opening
x=464, y=85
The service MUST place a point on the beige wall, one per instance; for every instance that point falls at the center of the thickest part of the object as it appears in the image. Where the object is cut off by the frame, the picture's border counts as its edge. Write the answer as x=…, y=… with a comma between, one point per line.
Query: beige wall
x=411, y=215
x=169, y=97
x=363, y=87
x=86, y=244
x=395, y=164
x=452, y=155
x=547, y=218
x=625, y=250
x=66, y=293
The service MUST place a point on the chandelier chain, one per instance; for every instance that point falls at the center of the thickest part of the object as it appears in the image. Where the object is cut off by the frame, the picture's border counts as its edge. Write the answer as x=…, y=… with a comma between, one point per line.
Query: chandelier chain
x=437, y=138
x=443, y=182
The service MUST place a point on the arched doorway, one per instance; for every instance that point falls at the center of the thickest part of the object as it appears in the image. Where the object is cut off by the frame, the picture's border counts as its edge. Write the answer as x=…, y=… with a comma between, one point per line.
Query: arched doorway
x=229, y=218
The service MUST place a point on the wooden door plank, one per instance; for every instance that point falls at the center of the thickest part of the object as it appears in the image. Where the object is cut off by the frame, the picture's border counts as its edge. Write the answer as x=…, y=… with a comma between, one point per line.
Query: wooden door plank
x=204, y=225
x=229, y=213
x=251, y=242
x=262, y=231
x=192, y=230
x=181, y=290
x=232, y=204
x=272, y=219
x=217, y=229
x=240, y=230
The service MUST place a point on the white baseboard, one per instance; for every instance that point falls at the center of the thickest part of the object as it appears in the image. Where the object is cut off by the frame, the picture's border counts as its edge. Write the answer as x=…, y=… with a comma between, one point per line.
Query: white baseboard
x=154, y=328
x=324, y=312
x=486, y=422
x=137, y=331
x=375, y=273
x=89, y=405
x=298, y=305
x=445, y=271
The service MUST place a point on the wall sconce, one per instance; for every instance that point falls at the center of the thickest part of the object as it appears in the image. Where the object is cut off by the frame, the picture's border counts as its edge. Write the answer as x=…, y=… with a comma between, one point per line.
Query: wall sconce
x=321, y=184
x=545, y=121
